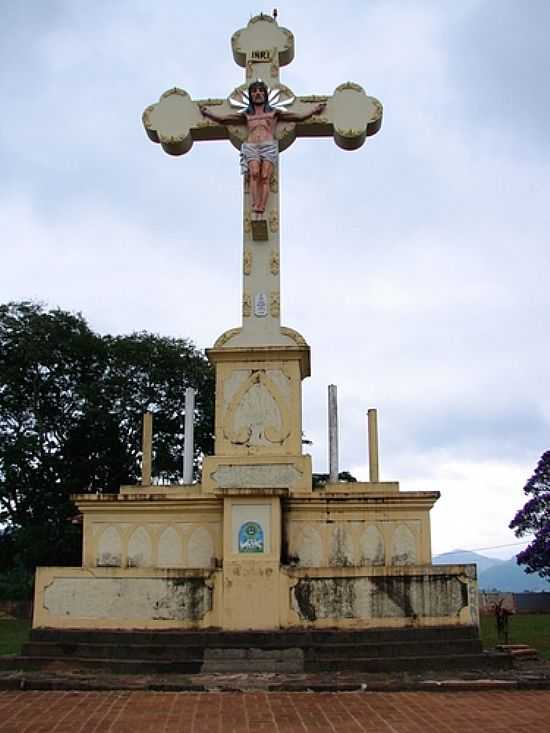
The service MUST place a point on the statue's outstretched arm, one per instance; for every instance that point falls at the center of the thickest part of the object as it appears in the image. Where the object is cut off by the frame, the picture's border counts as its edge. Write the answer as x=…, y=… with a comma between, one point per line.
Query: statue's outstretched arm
x=294, y=117
x=231, y=119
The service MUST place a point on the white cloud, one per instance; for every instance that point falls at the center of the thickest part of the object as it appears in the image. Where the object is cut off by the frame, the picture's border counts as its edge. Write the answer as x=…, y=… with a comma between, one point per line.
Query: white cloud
x=120, y=277
x=416, y=267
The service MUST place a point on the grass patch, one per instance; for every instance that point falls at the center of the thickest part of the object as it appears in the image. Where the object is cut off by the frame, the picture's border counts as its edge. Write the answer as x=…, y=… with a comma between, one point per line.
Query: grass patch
x=13, y=634
x=529, y=628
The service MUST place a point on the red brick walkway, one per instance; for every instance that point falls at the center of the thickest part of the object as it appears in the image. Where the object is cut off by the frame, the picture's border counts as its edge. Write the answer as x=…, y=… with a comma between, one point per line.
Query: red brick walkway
x=380, y=712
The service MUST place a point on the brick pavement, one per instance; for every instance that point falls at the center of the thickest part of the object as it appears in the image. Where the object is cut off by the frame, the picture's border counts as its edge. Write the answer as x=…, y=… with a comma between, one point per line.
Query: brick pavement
x=383, y=712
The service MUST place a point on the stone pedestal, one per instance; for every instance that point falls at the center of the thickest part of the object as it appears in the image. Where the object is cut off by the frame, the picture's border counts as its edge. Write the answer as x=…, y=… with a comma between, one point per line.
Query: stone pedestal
x=254, y=547
x=259, y=420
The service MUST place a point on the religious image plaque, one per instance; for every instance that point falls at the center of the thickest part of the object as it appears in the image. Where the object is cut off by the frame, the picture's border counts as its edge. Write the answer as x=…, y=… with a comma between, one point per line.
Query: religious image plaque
x=251, y=537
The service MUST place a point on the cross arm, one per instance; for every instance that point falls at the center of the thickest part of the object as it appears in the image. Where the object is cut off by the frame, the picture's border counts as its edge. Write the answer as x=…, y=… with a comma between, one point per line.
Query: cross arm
x=176, y=121
x=349, y=115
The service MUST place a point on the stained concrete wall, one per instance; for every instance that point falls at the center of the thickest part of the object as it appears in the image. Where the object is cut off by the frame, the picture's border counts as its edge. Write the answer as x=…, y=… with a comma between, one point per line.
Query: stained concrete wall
x=412, y=595
x=130, y=598
x=350, y=543
x=345, y=557
x=152, y=531
x=296, y=597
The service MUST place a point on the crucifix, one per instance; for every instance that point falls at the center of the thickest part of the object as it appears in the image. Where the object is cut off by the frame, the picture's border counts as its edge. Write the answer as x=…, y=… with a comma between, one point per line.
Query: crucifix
x=262, y=117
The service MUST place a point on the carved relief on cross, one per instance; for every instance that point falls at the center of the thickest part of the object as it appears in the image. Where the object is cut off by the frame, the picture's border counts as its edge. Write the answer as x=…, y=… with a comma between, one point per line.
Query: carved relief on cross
x=176, y=122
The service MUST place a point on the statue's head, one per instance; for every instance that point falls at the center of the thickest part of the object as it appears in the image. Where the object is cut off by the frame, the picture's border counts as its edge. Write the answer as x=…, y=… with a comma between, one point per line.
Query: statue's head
x=258, y=95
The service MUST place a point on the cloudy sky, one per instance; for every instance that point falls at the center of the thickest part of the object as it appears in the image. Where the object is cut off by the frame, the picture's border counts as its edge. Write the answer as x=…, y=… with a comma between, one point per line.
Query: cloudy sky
x=416, y=267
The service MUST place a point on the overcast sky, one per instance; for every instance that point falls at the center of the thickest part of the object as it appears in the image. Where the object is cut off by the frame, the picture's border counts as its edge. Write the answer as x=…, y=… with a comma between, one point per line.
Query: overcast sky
x=416, y=267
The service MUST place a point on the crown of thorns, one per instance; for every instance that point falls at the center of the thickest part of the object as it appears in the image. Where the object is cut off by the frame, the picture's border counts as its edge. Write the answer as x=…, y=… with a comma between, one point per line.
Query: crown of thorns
x=273, y=98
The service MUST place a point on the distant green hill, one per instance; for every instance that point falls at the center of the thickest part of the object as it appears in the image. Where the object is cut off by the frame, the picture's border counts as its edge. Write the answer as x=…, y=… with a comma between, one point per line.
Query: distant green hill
x=465, y=557
x=494, y=574
x=509, y=576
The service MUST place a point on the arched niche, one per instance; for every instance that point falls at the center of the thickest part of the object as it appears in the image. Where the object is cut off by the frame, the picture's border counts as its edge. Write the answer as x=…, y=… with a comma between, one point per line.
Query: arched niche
x=403, y=546
x=200, y=549
x=140, y=553
x=109, y=548
x=371, y=546
x=341, y=545
x=170, y=549
x=309, y=548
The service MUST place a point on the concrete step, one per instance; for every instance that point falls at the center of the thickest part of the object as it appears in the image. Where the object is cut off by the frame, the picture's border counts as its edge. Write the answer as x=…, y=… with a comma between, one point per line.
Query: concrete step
x=142, y=652
x=253, y=660
x=114, y=666
x=517, y=650
x=394, y=649
x=408, y=664
x=111, y=651
x=290, y=661
x=183, y=652
x=276, y=638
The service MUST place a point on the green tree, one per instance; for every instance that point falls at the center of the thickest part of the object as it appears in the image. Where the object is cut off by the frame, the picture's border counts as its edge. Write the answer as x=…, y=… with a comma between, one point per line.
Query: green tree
x=148, y=372
x=71, y=406
x=48, y=366
x=533, y=519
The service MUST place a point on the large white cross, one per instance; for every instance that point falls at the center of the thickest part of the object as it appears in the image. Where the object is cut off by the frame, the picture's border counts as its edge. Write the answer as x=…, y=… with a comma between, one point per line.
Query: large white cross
x=176, y=122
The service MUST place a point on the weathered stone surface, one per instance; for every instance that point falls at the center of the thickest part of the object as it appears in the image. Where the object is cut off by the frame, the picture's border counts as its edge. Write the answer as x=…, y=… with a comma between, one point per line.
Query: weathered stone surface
x=140, y=550
x=253, y=660
x=256, y=406
x=271, y=475
x=372, y=546
x=109, y=548
x=308, y=548
x=341, y=545
x=380, y=596
x=317, y=542
x=170, y=549
x=200, y=549
x=128, y=598
x=403, y=546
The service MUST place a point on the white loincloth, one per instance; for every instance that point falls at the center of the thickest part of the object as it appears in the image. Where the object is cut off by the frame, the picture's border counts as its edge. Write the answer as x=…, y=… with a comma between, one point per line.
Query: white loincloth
x=258, y=151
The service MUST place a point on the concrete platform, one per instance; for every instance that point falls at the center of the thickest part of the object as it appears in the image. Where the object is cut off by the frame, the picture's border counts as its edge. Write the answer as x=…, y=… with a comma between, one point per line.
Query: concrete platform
x=293, y=652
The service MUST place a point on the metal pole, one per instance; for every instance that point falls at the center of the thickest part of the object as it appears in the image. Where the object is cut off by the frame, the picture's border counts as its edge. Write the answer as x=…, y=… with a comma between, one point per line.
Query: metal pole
x=188, y=445
x=333, y=433
x=373, y=446
x=146, y=448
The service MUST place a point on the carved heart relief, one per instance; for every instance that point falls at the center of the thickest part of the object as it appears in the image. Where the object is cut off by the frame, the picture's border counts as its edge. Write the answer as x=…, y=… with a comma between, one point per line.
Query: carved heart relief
x=257, y=413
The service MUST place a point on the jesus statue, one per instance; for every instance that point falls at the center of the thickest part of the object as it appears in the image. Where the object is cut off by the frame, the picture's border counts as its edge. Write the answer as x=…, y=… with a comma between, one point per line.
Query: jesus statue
x=259, y=152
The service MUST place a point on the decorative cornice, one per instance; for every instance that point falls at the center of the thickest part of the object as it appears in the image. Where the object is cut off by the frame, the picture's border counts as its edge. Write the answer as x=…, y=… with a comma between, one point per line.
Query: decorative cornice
x=150, y=502
x=262, y=353
x=466, y=571
x=343, y=503
x=298, y=339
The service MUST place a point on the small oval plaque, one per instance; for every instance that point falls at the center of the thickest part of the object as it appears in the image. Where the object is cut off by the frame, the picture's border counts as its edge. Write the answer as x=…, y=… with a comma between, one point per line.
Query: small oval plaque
x=260, y=305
